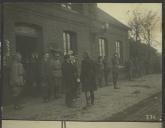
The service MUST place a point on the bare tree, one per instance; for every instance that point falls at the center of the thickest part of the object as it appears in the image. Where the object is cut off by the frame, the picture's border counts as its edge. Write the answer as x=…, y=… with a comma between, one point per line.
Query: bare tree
x=142, y=25
x=149, y=22
x=135, y=24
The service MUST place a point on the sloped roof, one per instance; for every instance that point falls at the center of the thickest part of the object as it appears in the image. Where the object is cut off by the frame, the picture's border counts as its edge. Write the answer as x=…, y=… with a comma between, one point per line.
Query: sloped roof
x=105, y=17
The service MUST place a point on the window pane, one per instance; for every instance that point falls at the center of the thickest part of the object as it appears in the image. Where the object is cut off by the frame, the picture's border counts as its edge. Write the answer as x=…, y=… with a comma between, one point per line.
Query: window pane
x=103, y=47
x=100, y=49
x=68, y=42
x=64, y=41
x=119, y=49
x=63, y=5
x=69, y=5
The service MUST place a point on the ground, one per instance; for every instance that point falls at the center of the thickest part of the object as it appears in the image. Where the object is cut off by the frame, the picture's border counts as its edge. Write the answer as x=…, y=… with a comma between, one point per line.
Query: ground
x=148, y=109
x=142, y=93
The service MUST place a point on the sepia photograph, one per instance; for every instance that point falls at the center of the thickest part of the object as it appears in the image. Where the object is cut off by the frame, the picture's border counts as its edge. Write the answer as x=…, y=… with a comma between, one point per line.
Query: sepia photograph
x=82, y=62
x=59, y=124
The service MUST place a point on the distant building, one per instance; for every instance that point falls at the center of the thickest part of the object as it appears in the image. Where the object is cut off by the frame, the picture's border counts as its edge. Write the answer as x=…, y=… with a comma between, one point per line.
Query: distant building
x=81, y=28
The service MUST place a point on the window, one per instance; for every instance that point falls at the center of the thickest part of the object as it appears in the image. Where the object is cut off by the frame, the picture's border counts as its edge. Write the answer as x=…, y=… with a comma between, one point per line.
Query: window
x=69, y=41
x=105, y=26
x=118, y=48
x=102, y=47
x=77, y=7
x=67, y=5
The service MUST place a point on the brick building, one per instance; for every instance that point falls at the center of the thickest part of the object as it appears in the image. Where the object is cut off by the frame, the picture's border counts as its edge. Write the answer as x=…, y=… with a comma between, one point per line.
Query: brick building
x=78, y=27
x=35, y=27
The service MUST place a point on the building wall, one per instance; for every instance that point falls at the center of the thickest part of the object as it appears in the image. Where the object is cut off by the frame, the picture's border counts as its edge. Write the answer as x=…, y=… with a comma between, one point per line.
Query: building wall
x=54, y=21
x=112, y=35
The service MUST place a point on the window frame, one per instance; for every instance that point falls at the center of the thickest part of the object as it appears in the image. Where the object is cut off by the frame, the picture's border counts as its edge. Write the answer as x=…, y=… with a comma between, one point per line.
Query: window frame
x=118, y=49
x=67, y=5
x=102, y=46
x=68, y=43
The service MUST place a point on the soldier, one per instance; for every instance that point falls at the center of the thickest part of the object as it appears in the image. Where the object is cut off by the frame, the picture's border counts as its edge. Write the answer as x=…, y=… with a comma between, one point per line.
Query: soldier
x=88, y=78
x=100, y=71
x=130, y=69
x=75, y=62
x=35, y=73
x=45, y=78
x=7, y=59
x=106, y=70
x=17, y=80
x=69, y=72
x=56, y=74
x=115, y=70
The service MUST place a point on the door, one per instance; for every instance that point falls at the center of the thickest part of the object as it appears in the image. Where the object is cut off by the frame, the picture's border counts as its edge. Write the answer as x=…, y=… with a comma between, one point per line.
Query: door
x=29, y=45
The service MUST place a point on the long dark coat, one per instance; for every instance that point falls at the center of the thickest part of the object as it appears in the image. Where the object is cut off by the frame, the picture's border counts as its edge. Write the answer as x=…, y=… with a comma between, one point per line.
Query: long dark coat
x=88, y=75
x=69, y=73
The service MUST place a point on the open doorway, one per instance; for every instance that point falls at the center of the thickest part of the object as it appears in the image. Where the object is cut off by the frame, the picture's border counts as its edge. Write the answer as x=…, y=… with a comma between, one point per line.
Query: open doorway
x=26, y=46
x=29, y=45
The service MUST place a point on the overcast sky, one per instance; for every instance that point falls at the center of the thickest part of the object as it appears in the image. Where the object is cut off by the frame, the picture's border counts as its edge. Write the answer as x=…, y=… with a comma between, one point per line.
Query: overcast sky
x=54, y=124
x=120, y=12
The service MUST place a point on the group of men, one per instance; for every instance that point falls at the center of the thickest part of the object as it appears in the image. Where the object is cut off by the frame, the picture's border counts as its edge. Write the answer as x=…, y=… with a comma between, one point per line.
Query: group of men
x=64, y=77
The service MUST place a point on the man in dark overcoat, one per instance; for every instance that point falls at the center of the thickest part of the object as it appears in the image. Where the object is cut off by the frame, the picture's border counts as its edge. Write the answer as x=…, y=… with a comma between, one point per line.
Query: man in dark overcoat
x=88, y=78
x=69, y=73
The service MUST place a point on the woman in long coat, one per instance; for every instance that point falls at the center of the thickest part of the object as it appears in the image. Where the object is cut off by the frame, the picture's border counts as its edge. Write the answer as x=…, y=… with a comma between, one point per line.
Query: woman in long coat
x=88, y=78
x=17, y=79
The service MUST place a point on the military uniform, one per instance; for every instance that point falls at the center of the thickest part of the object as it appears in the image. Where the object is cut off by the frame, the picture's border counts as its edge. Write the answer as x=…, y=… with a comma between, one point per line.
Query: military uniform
x=115, y=71
x=100, y=73
x=55, y=77
x=45, y=81
x=17, y=81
